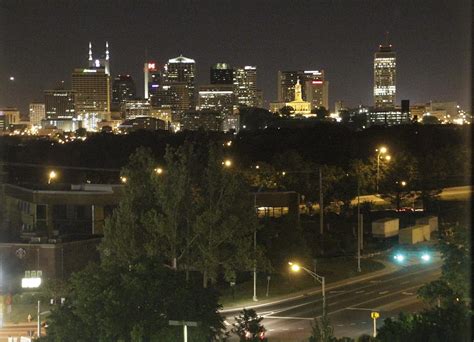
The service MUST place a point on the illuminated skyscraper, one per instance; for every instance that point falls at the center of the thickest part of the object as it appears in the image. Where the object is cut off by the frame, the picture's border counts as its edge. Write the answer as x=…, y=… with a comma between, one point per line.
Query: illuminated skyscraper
x=103, y=61
x=180, y=74
x=385, y=73
x=60, y=104
x=222, y=73
x=245, y=86
x=153, y=80
x=37, y=113
x=123, y=89
x=92, y=90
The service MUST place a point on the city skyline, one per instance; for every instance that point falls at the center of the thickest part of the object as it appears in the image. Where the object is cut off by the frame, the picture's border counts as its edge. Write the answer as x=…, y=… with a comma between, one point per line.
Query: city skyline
x=422, y=71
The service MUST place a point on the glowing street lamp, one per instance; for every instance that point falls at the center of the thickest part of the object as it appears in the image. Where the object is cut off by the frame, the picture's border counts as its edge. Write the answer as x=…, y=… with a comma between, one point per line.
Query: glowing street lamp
x=380, y=151
x=51, y=176
x=227, y=163
x=159, y=170
x=123, y=179
x=296, y=268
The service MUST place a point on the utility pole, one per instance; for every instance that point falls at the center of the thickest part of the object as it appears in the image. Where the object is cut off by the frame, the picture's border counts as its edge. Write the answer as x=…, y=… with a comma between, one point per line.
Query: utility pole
x=321, y=205
x=39, y=319
x=358, y=226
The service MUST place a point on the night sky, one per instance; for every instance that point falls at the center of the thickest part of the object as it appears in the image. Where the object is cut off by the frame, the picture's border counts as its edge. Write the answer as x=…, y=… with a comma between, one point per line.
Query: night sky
x=43, y=41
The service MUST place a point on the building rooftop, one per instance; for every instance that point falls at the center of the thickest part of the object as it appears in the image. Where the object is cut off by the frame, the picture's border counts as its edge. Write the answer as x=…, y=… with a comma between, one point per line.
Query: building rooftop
x=181, y=59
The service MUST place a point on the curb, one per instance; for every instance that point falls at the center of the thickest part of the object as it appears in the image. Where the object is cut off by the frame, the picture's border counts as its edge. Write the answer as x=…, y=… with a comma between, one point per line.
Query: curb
x=389, y=268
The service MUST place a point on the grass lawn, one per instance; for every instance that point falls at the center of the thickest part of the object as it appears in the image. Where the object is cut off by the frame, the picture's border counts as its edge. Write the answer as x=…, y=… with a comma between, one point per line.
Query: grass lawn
x=333, y=269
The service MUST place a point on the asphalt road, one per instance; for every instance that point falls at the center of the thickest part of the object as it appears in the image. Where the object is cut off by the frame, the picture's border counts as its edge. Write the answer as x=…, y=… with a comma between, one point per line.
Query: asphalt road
x=348, y=306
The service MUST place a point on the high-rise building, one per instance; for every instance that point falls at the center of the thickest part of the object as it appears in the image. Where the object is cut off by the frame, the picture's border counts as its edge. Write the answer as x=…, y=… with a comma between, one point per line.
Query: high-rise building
x=385, y=73
x=37, y=113
x=315, y=89
x=245, y=86
x=222, y=73
x=152, y=79
x=123, y=89
x=180, y=74
x=92, y=89
x=217, y=97
x=59, y=104
x=101, y=62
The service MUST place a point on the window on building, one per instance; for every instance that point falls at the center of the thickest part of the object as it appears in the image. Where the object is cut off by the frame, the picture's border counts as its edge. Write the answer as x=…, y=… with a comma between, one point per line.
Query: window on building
x=41, y=212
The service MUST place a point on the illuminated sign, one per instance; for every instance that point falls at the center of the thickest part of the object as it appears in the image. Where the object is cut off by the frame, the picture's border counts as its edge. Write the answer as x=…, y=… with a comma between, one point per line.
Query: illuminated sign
x=317, y=82
x=30, y=283
x=89, y=70
x=154, y=85
x=151, y=66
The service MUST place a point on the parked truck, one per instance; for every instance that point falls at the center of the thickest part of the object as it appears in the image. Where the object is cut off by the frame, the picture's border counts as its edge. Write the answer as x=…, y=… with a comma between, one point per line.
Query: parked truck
x=414, y=234
x=386, y=227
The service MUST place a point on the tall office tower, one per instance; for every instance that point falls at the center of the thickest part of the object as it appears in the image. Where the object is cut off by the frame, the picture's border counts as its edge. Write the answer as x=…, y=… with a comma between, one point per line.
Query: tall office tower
x=245, y=86
x=315, y=89
x=385, y=74
x=92, y=89
x=123, y=89
x=37, y=113
x=222, y=73
x=59, y=104
x=101, y=62
x=180, y=74
x=152, y=79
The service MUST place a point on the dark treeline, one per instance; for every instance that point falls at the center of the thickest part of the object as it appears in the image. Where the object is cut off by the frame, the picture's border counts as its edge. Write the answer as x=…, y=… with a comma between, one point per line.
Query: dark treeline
x=325, y=143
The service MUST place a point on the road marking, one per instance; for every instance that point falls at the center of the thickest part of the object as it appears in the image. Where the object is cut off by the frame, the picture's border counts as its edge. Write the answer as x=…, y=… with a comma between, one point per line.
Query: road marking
x=226, y=323
x=282, y=317
x=365, y=309
x=375, y=281
x=405, y=282
x=364, y=322
x=271, y=329
x=352, y=324
x=340, y=325
x=383, y=292
x=285, y=329
x=362, y=291
x=408, y=293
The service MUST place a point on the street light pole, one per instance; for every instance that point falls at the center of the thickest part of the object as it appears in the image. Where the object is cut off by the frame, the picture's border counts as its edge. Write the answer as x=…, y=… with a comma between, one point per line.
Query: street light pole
x=358, y=225
x=39, y=319
x=318, y=277
x=321, y=205
x=378, y=172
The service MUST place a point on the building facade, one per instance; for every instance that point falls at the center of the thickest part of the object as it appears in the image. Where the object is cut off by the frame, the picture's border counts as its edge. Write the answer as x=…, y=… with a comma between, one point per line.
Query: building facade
x=123, y=89
x=222, y=73
x=385, y=76
x=153, y=79
x=9, y=116
x=245, y=86
x=60, y=104
x=37, y=113
x=180, y=75
x=92, y=87
x=217, y=97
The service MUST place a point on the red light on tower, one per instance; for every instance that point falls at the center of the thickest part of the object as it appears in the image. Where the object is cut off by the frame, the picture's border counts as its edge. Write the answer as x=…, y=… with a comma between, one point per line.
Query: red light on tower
x=151, y=66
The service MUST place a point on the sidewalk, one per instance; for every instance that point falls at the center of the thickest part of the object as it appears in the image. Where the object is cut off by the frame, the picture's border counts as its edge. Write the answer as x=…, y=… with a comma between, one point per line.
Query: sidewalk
x=389, y=268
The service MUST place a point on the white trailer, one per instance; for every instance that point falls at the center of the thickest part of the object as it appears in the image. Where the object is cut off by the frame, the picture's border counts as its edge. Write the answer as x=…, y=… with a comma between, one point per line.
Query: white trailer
x=432, y=221
x=412, y=235
x=385, y=227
